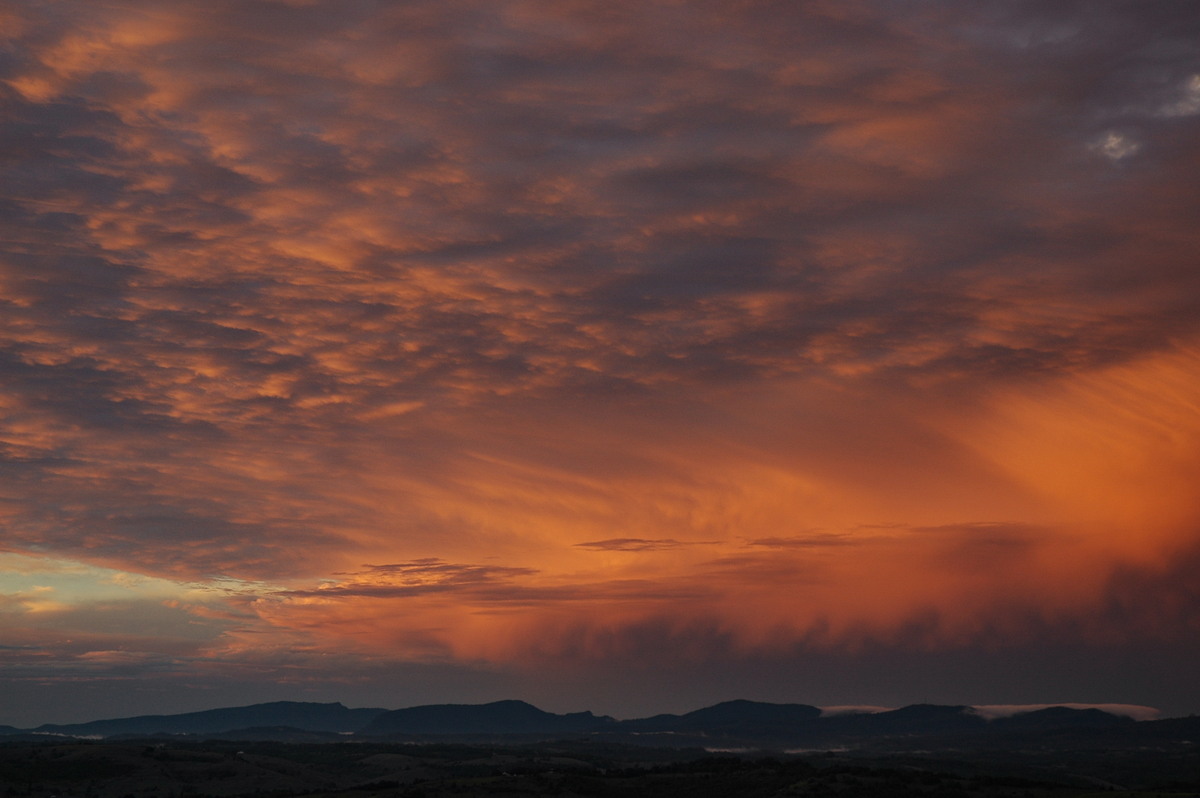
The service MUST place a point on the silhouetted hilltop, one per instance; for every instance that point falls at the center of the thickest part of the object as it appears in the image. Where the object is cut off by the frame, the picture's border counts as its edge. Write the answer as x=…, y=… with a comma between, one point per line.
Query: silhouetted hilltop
x=1170, y=729
x=499, y=717
x=727, y=717
x=1060, y=718
x=305, y=716
x=918, y=719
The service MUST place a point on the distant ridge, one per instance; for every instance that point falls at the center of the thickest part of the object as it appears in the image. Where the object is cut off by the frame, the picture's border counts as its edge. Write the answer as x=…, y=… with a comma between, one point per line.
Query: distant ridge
x=728, y=716
x=730, y=724
x=924, y=719
x=305, y=716
x=499, y=717
x=742, y=722
x=1061, y=718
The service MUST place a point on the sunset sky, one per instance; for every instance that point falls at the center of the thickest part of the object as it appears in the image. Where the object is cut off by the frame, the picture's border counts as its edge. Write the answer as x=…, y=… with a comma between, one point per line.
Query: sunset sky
x=610, y=355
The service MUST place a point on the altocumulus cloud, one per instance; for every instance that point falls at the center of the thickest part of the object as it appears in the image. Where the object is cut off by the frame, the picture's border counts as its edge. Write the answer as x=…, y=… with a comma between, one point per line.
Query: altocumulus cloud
x=776, y=329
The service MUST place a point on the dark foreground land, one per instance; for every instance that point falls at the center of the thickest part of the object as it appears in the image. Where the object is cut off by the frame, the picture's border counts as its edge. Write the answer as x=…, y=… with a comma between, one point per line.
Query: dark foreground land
x=191, y=769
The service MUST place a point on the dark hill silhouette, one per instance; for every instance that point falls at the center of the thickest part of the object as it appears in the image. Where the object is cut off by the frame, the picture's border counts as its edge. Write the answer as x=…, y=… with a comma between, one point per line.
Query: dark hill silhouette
x=729, y=724
x=295, y=714
x=1170, y=729
x=729, y=717
x=499, y=717
x=1056, y=718
x=917, y=719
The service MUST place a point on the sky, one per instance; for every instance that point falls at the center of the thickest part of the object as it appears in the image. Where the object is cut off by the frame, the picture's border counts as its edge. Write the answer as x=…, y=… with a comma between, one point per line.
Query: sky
x=609, y=355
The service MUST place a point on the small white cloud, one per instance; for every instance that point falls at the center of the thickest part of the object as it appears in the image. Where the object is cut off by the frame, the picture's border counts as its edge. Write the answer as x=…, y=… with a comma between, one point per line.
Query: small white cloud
x=1115, y=146
x=854, y=710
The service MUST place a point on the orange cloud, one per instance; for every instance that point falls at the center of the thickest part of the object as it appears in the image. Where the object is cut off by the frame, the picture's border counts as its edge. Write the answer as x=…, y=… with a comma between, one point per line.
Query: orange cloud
x=437, y=332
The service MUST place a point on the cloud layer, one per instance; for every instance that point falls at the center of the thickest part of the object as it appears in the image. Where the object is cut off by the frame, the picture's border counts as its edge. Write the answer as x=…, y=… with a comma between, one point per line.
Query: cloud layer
x=512, y=336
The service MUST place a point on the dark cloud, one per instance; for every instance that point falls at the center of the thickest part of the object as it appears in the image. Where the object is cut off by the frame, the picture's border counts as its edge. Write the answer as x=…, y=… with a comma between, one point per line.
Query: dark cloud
x=633, y=544
x=816, y=540
x=492, y=584
x=417, y=576
x=1162, y=601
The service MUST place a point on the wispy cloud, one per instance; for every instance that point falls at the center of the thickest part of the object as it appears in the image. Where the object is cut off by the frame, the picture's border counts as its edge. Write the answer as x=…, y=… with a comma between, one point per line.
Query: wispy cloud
x=635, y=544
x=810, y=541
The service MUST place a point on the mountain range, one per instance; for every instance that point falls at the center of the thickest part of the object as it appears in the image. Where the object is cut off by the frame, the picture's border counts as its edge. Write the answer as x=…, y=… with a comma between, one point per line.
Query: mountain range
x=732, y=723
x=306, y=716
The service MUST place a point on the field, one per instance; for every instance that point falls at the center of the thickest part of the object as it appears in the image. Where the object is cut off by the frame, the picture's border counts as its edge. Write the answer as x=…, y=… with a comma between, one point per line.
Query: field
x=157, y=768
